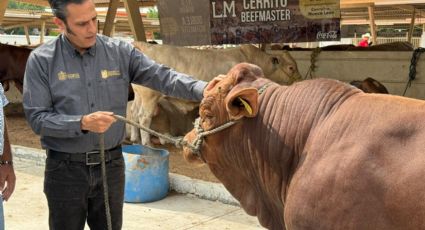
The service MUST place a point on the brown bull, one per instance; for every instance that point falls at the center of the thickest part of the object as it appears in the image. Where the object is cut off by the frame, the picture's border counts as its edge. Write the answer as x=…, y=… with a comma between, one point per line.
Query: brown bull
x=319, y=154
x=12, y=65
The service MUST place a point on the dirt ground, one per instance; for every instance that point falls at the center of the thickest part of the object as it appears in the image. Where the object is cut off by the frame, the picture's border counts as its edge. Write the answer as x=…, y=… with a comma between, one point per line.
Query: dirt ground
x=21, y=134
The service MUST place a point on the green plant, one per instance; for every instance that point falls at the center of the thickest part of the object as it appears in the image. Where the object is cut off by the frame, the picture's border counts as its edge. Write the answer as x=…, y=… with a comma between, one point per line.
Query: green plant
x=152, y=13
x=156, y=35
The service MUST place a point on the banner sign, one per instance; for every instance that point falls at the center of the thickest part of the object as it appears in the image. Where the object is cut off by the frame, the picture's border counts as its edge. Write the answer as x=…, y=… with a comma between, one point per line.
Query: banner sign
x=183, y=22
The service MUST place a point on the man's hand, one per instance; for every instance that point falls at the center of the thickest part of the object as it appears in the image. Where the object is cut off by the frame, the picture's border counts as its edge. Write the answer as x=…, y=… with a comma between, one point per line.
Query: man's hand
x=97, y=122
x=7, y=180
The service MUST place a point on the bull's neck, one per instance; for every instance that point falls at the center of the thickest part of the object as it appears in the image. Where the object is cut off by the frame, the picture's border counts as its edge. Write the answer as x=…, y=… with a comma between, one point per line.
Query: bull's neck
x=286, y=118
x=289, y=114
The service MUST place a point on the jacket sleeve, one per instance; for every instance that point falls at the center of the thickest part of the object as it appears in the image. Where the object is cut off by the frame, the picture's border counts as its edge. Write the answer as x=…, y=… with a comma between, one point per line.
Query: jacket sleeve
x=38, y=105
x=147, y=72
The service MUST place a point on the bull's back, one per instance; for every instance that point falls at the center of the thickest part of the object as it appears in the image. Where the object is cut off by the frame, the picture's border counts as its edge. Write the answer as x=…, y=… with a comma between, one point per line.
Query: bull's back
x=364, y=168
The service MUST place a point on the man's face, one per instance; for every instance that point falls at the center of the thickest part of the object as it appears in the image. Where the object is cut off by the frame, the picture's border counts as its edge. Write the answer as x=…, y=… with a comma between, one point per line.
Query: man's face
x=81, y=24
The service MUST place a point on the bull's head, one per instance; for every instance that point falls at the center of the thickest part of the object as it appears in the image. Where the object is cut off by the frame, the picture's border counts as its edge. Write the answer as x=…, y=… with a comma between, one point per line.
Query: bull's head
x=227, y=98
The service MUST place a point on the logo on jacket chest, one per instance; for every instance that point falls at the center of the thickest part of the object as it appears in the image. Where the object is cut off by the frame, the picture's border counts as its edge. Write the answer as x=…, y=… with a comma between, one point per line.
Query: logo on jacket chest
x=109, y=73
x=62, y=76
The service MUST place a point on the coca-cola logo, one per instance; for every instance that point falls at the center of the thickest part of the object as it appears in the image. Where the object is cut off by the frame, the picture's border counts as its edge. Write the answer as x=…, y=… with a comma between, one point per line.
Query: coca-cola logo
x=327, y=35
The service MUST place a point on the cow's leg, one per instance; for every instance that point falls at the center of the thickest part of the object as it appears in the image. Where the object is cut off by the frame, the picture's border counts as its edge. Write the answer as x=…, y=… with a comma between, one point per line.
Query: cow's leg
x=133, y=116
x=146, y=112
x=149, y=102
x=130, y=130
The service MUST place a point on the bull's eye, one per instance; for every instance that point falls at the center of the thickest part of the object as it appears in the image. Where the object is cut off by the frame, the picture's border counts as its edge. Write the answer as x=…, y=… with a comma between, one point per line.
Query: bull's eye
x=207, y=121
x=208, y=117
x=275, y=60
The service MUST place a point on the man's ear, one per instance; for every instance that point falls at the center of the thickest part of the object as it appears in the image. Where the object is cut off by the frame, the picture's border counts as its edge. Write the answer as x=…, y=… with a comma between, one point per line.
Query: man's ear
x=59, y=23
x=242, y=103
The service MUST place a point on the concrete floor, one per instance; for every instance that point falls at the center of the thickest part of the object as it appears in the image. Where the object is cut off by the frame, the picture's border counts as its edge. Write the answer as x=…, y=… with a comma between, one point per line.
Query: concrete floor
x=27, y=209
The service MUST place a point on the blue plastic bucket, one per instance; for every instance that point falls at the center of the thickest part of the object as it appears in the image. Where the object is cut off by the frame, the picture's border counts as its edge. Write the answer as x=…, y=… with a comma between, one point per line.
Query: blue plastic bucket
x=146, y=173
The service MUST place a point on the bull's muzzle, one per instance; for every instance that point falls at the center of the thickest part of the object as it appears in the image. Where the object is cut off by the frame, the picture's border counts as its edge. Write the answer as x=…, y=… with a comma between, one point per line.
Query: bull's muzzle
x=188, y=153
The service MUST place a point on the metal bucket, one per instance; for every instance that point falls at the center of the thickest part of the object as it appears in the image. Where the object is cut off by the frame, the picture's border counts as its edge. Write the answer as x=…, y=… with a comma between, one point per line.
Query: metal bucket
x=146, y=173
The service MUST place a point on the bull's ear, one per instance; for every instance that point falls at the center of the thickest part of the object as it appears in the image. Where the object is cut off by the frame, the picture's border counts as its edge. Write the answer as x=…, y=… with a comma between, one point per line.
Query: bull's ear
x=242, y=103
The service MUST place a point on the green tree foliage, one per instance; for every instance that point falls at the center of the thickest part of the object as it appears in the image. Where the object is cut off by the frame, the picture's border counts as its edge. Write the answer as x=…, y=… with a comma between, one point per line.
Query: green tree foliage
x=12, y=4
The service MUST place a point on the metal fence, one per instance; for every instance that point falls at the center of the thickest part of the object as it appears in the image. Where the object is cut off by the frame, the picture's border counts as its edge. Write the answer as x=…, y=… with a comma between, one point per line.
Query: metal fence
x=416, y=41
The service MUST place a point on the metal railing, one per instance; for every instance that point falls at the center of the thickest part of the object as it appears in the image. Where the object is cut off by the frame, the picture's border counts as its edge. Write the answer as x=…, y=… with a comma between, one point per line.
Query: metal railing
x=382, y=40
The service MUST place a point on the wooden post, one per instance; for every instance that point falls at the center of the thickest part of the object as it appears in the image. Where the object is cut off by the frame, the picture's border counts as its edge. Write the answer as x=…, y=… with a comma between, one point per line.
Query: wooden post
x=42, y=31
x=412, y=25
x=110, y=17
x=3, y=5
x=135, y=20
x=371, y=10
x=113, y=30
x=27, y=35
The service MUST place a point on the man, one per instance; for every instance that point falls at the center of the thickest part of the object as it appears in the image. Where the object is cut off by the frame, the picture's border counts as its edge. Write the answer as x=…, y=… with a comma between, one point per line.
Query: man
x=72, y=87
x=7, y=173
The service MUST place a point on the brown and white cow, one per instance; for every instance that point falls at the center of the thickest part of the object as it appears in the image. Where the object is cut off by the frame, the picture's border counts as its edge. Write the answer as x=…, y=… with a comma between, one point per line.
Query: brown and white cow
x=370, y=85
x=319, y=154
x=204, y=65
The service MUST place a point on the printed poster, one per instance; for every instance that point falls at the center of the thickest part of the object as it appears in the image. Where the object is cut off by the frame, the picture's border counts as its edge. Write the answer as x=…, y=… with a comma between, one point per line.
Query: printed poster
x=248, y=21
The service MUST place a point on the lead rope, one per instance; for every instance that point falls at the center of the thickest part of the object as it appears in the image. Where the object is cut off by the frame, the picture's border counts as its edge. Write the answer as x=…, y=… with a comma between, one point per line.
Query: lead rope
x=104, y=180
x=177, y=141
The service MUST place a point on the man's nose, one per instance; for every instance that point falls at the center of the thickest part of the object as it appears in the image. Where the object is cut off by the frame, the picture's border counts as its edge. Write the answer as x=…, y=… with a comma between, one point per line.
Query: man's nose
x=92, y=26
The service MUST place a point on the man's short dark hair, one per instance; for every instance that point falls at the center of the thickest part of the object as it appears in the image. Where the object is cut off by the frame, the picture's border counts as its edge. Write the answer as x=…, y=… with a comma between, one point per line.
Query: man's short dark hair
x=59, y=7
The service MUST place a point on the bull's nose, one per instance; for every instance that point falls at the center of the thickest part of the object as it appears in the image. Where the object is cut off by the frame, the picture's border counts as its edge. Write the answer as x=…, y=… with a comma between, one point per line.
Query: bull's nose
x=188, y=154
